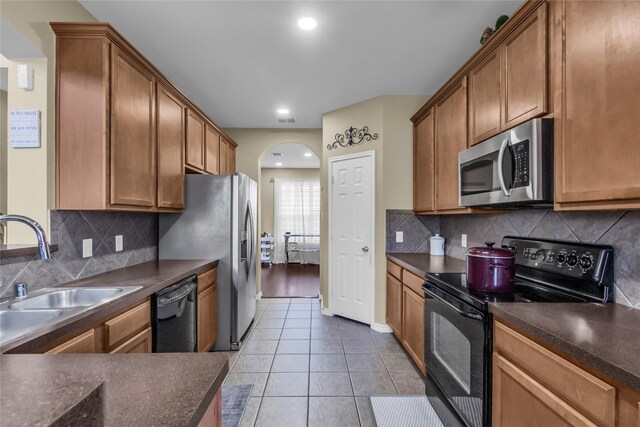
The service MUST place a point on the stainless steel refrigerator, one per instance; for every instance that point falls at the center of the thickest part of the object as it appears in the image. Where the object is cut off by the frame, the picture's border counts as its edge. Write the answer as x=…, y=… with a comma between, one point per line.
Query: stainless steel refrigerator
x=219, y=222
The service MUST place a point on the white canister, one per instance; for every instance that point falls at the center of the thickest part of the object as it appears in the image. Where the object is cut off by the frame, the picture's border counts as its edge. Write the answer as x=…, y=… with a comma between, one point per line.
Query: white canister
x=436, y=245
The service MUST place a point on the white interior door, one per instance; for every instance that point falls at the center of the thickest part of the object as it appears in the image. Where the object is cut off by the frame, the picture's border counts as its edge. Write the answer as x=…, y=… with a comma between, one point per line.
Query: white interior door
x=351, y=243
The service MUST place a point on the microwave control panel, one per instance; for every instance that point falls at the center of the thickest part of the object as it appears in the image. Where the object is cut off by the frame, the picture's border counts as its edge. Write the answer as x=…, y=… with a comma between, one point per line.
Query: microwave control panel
x=520, y=152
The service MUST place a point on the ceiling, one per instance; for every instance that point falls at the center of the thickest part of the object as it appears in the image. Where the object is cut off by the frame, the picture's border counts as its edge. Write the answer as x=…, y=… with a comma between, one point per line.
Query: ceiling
x=240, y=61
x=292, y=156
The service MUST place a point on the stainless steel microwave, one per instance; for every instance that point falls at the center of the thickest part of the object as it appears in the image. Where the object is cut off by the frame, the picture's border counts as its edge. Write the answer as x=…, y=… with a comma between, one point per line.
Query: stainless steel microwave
x=512, y=169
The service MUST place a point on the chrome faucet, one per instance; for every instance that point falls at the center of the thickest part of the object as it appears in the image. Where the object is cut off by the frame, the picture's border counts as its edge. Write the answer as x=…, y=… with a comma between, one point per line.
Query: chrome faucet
x=43, y=245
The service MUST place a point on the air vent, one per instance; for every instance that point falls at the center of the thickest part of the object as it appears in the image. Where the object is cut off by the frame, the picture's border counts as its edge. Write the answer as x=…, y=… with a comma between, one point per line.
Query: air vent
x=277, y=154
x=286, y=119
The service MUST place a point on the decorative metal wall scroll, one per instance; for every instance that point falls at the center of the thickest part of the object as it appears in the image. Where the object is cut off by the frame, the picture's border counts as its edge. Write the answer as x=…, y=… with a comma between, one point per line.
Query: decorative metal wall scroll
x=351, y=137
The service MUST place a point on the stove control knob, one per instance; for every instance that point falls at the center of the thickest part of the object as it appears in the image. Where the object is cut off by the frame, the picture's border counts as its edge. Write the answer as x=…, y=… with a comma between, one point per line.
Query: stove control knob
x=572, y=260
x=561, y=258
x=586, y=262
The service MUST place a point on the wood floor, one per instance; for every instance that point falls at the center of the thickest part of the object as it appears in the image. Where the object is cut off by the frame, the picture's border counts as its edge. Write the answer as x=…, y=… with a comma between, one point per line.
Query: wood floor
x=290, y=280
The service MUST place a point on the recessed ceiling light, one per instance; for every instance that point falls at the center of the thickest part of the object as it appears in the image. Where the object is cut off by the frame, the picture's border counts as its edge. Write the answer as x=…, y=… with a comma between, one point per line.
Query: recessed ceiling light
x=307, y=23
x=279, y=164
x=283, y=111
x=307, y=154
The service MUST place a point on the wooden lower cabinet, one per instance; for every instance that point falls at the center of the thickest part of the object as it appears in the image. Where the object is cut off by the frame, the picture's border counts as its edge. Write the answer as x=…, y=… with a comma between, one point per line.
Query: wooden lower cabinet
x=127, y=332
x=83, y=343
x=213, y=415
x=405, y=311
x=141, y=343
x=207, y=310
x=534, y=386
x=413, y=325
x=519, y=400
x=394, y=305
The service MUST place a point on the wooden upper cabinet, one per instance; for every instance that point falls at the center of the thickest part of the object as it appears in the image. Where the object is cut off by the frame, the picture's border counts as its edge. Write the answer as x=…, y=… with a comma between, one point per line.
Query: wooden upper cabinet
x=524, y=69
x=450, y=139
x=224, y=156
x=195, y=140
x=423, y=152
x=231, y=159
x=597, y=105
x=212, y=150
x=133, y=167
x=484, y=99
x=170, y=137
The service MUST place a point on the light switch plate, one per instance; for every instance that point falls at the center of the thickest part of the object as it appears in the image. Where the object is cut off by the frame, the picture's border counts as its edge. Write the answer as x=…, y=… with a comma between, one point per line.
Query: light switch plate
x=399, y=236
x=463, y=241
x=87, y=248
x=119, y=243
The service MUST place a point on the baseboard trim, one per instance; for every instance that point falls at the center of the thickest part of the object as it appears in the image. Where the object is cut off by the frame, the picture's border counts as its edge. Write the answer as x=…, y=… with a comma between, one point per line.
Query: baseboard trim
x=326, y=312
x=259, y=296
x=382, y=328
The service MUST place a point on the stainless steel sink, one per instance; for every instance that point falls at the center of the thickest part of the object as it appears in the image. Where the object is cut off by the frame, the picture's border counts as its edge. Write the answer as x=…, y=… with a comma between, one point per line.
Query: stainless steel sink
x=15, y=323
x=52, y=305
x=72, y=298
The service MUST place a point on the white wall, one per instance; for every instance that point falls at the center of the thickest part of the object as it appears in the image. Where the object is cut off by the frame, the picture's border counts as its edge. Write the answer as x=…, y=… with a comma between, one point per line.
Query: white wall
x=31, y=172
x=389, y=116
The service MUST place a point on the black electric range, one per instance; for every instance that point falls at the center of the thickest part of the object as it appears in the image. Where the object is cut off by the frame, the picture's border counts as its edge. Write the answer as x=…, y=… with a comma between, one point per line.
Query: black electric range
x=458, y=325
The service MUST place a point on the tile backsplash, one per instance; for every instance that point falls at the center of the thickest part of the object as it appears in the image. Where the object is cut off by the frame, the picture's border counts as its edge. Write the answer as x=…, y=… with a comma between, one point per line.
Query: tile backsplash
x=68, y=229
x=416, y=231
x=620, y=229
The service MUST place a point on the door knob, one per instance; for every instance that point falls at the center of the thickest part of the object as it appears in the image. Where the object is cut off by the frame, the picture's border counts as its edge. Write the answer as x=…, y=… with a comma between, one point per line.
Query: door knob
x=365, y=249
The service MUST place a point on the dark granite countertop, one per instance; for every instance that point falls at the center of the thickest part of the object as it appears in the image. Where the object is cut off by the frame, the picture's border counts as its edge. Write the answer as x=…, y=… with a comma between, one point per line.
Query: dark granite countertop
x=603, y=336
x=133, y=389
x=420, y=264
x=152, y=276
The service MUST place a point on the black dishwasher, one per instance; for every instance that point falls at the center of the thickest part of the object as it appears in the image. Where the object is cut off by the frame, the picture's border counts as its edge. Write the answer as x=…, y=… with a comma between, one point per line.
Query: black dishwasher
x=175, y=318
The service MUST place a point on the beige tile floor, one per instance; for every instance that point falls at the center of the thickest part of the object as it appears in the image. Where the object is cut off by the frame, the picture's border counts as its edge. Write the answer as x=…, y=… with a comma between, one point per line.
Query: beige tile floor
x=314, y=370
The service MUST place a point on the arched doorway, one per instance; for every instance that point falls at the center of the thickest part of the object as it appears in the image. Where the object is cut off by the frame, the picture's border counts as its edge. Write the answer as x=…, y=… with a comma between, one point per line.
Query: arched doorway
x=290, y=199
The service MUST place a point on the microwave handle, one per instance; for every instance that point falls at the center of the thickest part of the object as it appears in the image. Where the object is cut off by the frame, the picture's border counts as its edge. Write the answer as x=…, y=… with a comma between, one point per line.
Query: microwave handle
x=503, y=186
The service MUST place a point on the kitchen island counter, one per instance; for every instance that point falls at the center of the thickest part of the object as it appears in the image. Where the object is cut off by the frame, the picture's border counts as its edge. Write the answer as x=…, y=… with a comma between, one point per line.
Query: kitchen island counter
x=111, y=390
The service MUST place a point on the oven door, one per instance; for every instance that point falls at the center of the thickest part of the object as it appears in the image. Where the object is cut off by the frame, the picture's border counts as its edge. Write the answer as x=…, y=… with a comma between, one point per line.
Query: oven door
x=457, y=352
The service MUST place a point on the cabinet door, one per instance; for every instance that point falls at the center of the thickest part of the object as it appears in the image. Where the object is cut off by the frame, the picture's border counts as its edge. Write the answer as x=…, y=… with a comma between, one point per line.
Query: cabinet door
x=133, y=166
x=484, y=99
x=231, y=159
x=597, y=119
x=212, y=143
x=170, y=136
x=519, y=400
x=83, y=343
x=394, y=305
x=141, y=343
x=207, y=318
x=195, y=140
x=224, y=155
x=413, y=326
x=423, y=172
x=450, y=139
x=524, y=56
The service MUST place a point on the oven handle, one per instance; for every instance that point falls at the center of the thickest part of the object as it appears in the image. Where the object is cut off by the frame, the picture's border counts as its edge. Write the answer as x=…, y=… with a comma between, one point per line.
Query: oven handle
x=451, y=306
x=506, y=191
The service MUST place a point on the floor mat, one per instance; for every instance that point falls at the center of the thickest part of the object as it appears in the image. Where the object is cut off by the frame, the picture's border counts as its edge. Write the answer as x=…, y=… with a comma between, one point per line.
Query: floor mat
x=234, y=401
x=404, y=411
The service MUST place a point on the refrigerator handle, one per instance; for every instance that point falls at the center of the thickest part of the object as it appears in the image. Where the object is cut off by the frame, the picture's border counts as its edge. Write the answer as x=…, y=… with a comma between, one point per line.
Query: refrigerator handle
x=250, y=237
